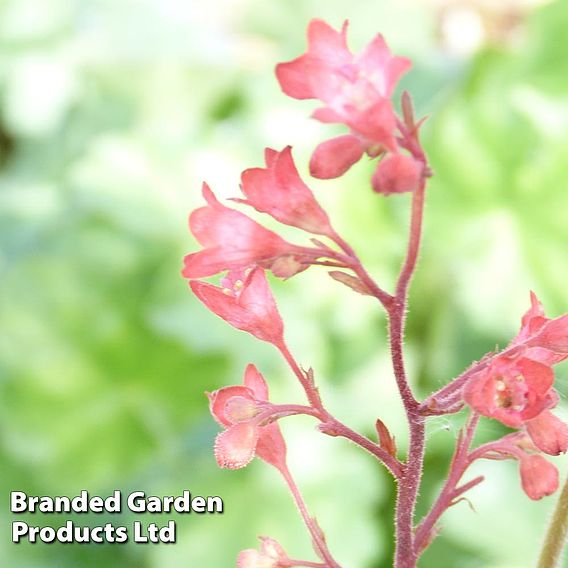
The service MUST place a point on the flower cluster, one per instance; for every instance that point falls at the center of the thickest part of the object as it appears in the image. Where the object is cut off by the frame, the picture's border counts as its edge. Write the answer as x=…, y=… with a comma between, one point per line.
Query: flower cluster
x=516, y=388
x=356, y=91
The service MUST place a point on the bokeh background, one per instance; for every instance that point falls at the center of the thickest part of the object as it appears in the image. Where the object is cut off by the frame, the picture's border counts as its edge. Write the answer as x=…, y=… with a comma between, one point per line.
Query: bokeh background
x=112, y=112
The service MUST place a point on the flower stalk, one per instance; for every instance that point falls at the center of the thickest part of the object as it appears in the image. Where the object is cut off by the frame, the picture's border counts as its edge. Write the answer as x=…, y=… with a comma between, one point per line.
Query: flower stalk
x=557, y=533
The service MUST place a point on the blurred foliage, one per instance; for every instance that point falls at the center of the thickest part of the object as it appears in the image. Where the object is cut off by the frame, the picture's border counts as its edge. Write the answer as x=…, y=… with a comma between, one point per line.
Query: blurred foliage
x=111, y=114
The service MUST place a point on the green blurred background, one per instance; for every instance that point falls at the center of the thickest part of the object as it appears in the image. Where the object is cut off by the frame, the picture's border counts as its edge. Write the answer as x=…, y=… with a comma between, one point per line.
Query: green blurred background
x=112, y=112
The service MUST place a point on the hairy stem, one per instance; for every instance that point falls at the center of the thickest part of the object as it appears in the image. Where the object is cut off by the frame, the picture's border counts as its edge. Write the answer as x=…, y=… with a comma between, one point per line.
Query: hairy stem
x=557, y=533
x=405, y=555
x=310, y=389
x=390, y=462
x=409, y=484
x=460, y=462
x=355, y=264
x=315, y=532
x=331, y=425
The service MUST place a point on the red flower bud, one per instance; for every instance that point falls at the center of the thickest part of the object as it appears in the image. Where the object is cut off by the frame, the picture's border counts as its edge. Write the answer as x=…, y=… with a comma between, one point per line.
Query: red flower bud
x=396, y=173
x=539, y=477
x=548, y=433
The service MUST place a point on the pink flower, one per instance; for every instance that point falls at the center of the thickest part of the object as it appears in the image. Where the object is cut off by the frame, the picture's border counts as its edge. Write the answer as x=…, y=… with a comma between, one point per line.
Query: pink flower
x=239, y=410
x=396, y=173
x=516, y=389
x=232, y=241
x=539, y=477
x=246, y=302
x=271, y=555
x=279, y=191
x=512, y=390
x=355, y=89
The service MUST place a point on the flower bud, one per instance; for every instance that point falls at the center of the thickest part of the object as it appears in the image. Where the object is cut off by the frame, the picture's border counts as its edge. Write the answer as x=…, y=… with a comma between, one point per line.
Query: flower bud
x=539, y=477
x=396, y=173
x=548, y=433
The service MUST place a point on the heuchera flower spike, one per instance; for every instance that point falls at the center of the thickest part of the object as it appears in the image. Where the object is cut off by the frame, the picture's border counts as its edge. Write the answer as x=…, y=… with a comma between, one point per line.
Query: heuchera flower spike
x=244, y=435
x=514, y=386
x=232, y=241
x=356, y=90
x=279, y=191
x=271, y=555
x=516, y=389
x=246, y=302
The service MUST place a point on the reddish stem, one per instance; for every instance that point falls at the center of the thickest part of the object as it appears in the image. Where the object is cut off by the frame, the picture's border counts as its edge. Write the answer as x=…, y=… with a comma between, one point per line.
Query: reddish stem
x=450, y=491
x=451, y=393
x=311, y=391
x=355, y=264
x=331, y=425
x=405, y=555
x=315, y=532
x=339, y=429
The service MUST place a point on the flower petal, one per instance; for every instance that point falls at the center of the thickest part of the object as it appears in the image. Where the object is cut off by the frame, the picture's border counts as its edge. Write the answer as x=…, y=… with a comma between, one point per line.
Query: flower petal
x=279, y=191
x=257, y=299
x=272, y=548
x=251, y=558
x=218, y=401
x=231, y=239
x=271, y=446
x=326, y=43
x=539, y=380
x=334, y=157
x=294, y=77
x=271, y=555
x=554, y=336
x=235, y=447
x=327, y=115
x=254, y=381
x=381, y=67
x=254, y=311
